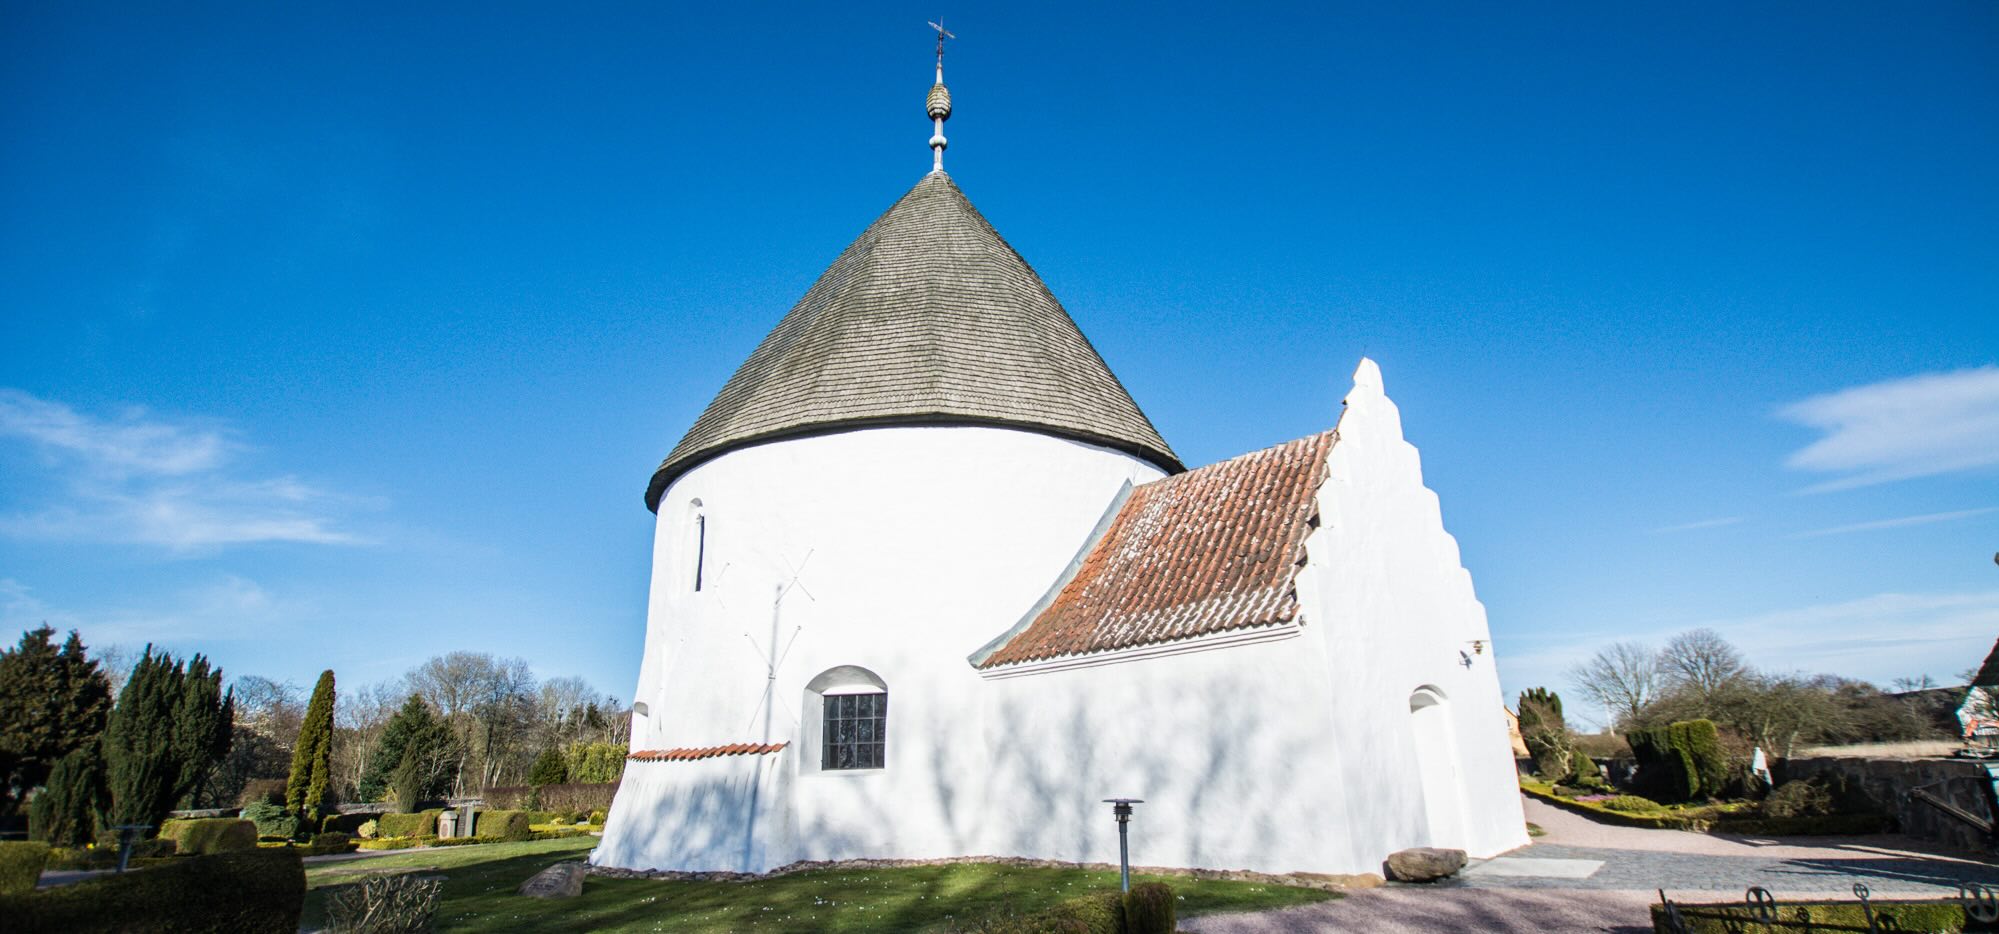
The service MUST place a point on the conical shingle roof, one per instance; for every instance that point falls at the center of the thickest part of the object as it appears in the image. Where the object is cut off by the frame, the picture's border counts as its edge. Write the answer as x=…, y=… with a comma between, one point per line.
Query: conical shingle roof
x=928, y=318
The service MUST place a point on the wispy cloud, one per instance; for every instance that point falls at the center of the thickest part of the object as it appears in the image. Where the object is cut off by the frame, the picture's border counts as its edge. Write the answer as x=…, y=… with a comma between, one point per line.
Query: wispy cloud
x=1694, y=526
x=1920, y=426
x=223, y=609
x=1897, y=523
x=140, y=479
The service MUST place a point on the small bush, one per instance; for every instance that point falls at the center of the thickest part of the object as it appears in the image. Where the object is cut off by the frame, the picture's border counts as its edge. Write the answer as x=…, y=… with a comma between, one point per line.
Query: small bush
x=599, y=816
x=21, y=865
x=368, y=830
x=1630, y=804
x=1798, y=799
x=1148, y=909
x=207, y=836
x=503, y=825
x=420, y=824
x=272, y=820
x=254, y=892
x=400, y=904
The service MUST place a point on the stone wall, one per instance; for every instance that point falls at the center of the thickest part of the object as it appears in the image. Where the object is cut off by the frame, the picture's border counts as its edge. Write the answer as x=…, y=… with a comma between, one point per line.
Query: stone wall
x=1961, y=782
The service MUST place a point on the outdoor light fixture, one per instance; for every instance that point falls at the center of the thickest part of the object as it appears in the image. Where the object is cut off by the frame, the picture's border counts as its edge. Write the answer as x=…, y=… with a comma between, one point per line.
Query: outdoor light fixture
x=1121, y=809
x=127, y=834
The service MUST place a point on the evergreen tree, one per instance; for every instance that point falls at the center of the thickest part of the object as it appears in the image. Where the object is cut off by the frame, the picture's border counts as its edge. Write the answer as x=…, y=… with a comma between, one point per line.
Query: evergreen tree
x=1545, y=732
x=417, y=736
x=52, y=702
x=309, y=789
x=549, y=769
x=170, y=727
x=69, y=811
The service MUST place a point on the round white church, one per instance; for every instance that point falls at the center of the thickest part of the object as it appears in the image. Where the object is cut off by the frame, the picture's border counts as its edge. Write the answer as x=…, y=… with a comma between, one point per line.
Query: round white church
x=927, y=583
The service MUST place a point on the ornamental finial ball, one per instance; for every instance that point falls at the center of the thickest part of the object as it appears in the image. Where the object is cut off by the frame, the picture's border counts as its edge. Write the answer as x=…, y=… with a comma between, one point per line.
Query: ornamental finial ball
x=939, y=103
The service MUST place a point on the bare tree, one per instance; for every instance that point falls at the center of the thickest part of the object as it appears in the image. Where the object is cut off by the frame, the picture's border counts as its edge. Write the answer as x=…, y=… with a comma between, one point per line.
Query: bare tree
x=1701, y=663
x=1622, y=679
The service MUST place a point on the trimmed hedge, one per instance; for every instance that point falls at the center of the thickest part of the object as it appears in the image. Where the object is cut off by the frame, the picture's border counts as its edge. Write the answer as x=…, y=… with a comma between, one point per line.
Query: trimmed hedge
x=1699, y=744
x=420, y=824
x=21, y=865
x=211, y=835
x=502, y=825
x=255, y=892
x=1149, y=909
x=573, y=796
x=1822, y=916
x=349, y=824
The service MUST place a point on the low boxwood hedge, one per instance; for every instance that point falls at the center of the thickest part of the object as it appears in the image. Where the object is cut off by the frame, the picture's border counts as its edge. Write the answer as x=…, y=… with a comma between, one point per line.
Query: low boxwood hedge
x=1817, y=916
x=1149, y=909
x=253, y=892
x=420, y=824
x=21, y=865
x=207, y=836
x=504, y=825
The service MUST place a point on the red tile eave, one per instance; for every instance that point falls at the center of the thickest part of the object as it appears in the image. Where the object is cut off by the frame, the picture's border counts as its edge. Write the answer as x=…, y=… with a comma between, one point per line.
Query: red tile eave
x=688, y=754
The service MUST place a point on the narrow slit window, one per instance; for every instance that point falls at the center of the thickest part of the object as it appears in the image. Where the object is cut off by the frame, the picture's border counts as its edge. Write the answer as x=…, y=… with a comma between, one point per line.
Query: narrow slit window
x=700, y=547
x=856, y=734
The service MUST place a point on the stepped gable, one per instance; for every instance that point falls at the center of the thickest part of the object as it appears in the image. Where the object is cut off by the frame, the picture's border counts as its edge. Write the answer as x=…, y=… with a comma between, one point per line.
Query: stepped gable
x=930, y=317
x=1208, y=551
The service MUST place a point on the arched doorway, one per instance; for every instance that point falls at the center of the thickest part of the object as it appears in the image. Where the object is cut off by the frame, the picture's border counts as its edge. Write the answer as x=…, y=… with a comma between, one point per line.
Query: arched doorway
x=1437, y=760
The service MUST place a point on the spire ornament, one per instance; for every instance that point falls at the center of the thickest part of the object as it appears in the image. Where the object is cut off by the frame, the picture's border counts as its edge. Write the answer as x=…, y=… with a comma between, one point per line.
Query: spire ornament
x=939, y=102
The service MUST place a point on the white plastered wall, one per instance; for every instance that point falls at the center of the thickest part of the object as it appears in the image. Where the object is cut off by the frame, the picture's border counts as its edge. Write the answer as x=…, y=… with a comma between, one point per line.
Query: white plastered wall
x=1394, y=605
x=897, y=550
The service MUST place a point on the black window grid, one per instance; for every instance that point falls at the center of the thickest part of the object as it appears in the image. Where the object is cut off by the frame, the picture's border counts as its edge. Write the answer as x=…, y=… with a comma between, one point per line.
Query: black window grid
x=856, y=732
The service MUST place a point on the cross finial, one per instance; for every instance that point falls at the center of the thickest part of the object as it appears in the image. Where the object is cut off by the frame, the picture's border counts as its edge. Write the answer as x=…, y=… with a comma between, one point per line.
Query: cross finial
x=942, y=34
x=938, y=104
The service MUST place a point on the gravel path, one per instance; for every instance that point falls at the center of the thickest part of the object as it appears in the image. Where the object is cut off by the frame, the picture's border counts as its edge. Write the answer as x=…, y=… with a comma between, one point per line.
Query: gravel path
x=1588, y=877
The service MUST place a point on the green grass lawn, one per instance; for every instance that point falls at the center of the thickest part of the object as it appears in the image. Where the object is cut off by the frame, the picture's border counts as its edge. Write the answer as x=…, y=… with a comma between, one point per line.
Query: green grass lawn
x=480, y=882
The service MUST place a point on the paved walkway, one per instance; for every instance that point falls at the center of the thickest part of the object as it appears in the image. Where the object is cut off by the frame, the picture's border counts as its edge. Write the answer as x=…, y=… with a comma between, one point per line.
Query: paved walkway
x=1589, y=877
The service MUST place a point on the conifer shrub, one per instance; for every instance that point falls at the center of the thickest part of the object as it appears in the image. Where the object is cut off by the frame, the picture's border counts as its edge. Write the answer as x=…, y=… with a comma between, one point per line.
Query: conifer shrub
x=67, y=812
x=1699, y=745
x=207, y=836
x=253, y=892
x=309, y=787
x=599, y=816
x=368, y=830
x=550, y=768
x=272, y=820
x=21, y=864
x=1149, y=909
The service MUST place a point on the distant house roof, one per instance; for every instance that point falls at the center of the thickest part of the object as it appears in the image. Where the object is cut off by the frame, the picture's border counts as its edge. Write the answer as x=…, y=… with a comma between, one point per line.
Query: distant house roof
x=930, y=317
x=1208, y=551
x=688, y=754
x=1988, y=673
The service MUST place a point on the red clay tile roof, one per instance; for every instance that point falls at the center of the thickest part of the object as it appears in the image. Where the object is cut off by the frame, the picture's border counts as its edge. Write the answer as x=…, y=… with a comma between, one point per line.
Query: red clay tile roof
x=1207, y=551
x=686, y=754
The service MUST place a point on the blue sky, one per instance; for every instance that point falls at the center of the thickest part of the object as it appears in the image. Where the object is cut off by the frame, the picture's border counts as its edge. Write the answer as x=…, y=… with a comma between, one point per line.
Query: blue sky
x=345, y=337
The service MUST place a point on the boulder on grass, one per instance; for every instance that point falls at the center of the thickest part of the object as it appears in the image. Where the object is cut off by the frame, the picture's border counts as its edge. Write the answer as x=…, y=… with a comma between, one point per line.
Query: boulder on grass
x=1424, y=864
x=562, y=880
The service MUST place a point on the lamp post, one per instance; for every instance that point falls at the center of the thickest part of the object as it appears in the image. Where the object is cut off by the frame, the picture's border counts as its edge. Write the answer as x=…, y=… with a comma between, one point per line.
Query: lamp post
x=1121, y=809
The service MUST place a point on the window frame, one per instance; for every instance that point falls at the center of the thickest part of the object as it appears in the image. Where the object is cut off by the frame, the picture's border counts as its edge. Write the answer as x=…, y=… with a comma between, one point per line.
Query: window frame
x=853, y=734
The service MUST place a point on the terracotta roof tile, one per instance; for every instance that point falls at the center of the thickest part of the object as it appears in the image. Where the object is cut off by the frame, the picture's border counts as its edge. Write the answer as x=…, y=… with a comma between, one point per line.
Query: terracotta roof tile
x=1207, y=551
x=688, y=754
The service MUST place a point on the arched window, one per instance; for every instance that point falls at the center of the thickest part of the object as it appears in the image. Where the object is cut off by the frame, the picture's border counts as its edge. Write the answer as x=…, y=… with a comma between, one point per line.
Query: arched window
x=849, y=707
